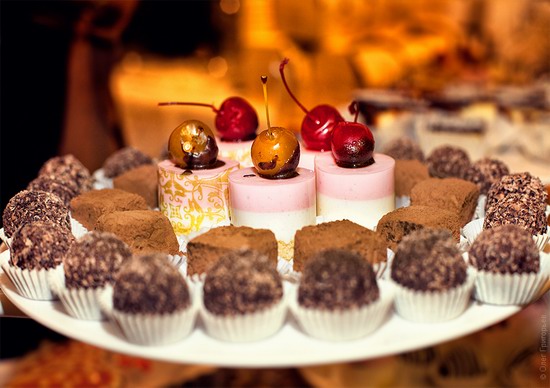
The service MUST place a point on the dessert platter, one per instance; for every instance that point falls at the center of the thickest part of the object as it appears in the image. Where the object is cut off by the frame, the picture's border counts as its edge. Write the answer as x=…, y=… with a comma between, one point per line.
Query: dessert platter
x=201, y=259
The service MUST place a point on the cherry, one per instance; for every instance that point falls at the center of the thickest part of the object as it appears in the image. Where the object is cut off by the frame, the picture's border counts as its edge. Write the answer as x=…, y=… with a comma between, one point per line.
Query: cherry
x=236, y=120
x=352, y=143
x=192, y=145
x=275, y=152
x=318, y=123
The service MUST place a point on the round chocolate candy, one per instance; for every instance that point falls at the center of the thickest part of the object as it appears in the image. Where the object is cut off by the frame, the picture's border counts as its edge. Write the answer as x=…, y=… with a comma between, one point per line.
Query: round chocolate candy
x=404, y=148
x=448, y=161
x=124, y=160
x=485, y=172
x=69, y=170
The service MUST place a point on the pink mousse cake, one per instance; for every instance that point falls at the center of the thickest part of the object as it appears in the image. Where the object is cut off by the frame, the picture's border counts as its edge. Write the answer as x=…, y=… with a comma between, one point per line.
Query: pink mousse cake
x=195, y=199
x=281, y=205
x=362, y=195
x=239, y=151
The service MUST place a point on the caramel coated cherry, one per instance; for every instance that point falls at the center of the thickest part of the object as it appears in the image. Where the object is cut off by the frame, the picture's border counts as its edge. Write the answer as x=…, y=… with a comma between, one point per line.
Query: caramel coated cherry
x=192, y=145
x=276, y=153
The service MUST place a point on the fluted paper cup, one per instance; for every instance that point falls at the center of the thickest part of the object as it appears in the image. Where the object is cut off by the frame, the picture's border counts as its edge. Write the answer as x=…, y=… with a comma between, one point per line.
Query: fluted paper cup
x=77, y=228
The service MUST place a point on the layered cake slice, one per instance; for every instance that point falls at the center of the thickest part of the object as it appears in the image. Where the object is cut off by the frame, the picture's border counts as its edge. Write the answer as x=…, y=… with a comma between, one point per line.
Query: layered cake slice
x=311, y=240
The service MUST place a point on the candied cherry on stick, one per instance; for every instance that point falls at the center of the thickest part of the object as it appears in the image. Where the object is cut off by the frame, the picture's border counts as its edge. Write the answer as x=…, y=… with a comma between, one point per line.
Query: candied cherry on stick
x=275, y=152
x=318, y=122
x=192, y=145
x=352, y=142
x=236, y=120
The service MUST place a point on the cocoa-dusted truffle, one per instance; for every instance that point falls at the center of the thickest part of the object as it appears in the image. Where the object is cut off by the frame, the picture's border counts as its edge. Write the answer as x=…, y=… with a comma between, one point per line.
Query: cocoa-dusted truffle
x=448, y=161
x=519, y=183
x=150, y=284
x=40, y=245
x=68, y=170
x=404, y=148
x=241, y=283
x=428, y=260
x=51, y=185
x=337, y=279
x=517, y=209
x=124, y=160
x=29, y=206
x=407, y=174
x=485, y=172
x=142, y=180
x=505, y=249
x=93, y=260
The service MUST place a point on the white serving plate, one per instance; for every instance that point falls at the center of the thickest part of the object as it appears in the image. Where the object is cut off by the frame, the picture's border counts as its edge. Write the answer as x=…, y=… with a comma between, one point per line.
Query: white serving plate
x=290, y=347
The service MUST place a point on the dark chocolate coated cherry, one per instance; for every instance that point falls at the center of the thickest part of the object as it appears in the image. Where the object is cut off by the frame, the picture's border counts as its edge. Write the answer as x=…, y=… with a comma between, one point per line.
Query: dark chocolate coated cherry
x=352, y=143
x=192, y=145
x=318, y=122
x=276, y=151
x=236, y=120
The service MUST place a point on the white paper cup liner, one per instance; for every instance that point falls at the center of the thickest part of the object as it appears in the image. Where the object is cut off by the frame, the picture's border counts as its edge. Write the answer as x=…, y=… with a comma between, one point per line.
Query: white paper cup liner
x=77, y=228
x=101, y=181
x=512, y=289
x=79, y=303
x=284, y=267
x=479, y=212
x=402, y=201
x=344, y=325
x=473, y=228
x=149, y=329
x=31, y=284
x=248, y=327
x=426, y=307
x=4, y=238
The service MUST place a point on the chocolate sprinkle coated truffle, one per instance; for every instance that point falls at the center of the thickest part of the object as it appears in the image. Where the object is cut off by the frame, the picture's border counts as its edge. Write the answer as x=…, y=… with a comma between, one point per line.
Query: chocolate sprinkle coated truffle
x=52, y=185
x=124, y=160
x=485, y=172
x=240, y=283
x=40, y=245
x=448, y=161
x=337, y=279
x=29, y=206
x=428, y=260
x=69, y=170
x=404, y=148
x=93, y=260
x=505, y=249
x=150, y=284
x=520, y=183
x=517, y=209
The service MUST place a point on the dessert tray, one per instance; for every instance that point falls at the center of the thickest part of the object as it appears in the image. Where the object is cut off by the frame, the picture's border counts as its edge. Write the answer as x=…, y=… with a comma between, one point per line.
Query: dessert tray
x=289, y=347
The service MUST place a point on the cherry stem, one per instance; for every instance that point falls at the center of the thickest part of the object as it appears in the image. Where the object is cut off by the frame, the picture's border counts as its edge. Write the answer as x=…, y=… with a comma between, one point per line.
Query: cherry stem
x=189, y=103
x=354, y=110
x=281, y=70
x=263, y=78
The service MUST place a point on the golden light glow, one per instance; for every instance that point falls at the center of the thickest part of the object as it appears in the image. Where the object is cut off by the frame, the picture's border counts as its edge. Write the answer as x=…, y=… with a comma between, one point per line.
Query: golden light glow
x=230, y=7
x=217, y=67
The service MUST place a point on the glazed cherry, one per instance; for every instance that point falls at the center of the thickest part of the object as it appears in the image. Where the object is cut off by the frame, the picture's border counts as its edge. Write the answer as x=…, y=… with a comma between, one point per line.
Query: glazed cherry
x=192, y=145
x=236, y=120
x=275, y=152
x=352, y=143
x=318, y=123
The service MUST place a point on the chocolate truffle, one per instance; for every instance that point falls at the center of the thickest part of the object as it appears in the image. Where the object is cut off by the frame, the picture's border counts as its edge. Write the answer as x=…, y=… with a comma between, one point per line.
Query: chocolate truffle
x=407, y=174
x=485, y=172
x=145, y=231
x=40, y=245
x=448, y=161
x=142, y=180
x=240, y=283
x=51, y=185
x=404, y=148
x=29, y=206
x=519, y=183
x=68, y=170
x=150, y=284
x=93, y=260
x=428, y=260
x=337, y=279
x=505, y=249
x=124, y=160
x=453, y=194
x=517, y=209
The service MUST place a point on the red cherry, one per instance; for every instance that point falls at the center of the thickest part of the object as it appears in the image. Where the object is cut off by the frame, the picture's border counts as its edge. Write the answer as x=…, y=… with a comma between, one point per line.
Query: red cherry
x=236, y=120
x=318, y=123
x=352, y=144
